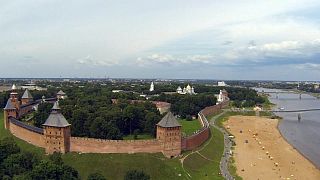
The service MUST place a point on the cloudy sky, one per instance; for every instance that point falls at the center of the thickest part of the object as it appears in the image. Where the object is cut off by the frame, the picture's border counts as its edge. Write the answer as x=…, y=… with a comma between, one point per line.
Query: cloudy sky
x=207, y=39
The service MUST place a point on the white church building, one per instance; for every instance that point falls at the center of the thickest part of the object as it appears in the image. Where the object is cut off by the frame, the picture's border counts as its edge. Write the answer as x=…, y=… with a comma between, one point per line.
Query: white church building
x=151, y=87
x=186, y=90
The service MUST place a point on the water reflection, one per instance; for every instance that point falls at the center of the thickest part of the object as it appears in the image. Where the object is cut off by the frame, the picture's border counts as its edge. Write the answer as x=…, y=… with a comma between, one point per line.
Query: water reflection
x=304, y=134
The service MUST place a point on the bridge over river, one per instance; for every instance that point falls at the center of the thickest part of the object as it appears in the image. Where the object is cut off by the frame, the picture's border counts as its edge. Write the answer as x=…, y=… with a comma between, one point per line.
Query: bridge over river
x=296, y=110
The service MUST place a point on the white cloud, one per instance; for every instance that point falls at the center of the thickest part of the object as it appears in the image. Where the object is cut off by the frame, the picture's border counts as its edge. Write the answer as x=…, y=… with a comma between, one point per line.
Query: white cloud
x=175, y=60
x=308, y=66
x=88, y=60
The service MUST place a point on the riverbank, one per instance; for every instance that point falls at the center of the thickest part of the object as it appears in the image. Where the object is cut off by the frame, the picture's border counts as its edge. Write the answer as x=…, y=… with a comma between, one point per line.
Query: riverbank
x=262, y=153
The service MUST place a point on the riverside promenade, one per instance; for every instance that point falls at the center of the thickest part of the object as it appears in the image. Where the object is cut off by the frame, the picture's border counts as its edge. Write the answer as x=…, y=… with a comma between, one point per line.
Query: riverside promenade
x=227, y=147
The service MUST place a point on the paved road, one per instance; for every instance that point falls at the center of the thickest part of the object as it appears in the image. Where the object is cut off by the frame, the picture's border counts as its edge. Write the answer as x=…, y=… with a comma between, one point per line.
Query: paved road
x=227, y=147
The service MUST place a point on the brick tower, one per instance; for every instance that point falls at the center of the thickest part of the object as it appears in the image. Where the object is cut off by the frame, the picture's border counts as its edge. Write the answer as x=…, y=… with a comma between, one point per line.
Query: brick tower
x=56, y=132
x=26, y=97
x=14, y=97
x=169, y=134
x=12, y=107
x=9, y=111
x=61, y=95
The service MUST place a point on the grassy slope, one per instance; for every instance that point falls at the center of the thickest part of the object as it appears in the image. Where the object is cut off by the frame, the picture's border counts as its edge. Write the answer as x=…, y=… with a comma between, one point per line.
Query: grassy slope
x=201, y=168
x=114, y=166
x=189, y=127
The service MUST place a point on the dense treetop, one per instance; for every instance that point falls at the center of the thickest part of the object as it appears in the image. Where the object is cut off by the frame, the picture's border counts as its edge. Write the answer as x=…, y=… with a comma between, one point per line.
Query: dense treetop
x=17, y=164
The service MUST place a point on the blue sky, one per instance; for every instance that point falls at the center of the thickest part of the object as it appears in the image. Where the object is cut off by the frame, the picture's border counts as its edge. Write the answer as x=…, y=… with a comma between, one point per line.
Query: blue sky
x=230, y=39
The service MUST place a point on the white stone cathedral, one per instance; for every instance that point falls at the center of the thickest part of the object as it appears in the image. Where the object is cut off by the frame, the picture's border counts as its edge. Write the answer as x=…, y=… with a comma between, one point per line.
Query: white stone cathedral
x=186, y=90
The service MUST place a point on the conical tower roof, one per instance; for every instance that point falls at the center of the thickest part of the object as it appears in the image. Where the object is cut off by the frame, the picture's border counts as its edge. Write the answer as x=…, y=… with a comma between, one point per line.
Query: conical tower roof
x=26, y=95
x=169, y=121
x=14, y=87
x=56, y=119
x=61, y=93
x=9, y=105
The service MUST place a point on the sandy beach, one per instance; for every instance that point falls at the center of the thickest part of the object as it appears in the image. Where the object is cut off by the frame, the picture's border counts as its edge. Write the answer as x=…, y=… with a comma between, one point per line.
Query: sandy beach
x=262, y=153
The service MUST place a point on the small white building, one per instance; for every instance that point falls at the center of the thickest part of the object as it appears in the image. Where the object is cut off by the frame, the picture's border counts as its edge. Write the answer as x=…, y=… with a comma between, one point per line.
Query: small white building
x=222, y=96
x=179, y=90
x=32, y=86
x=117, y=90
x=221, y=83
x=151, y=87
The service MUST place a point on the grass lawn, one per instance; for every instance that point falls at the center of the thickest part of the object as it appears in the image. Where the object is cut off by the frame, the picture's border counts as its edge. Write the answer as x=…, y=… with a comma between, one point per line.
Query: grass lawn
x=114, y=166
x=189, y=127
x=140, y=136
x=201, y=168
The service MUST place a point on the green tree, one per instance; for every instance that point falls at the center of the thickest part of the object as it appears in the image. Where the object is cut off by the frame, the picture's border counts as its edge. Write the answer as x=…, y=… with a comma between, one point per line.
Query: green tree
x=151, y=119
x=56, y=158
x=42, y=114
x=136, y=175
x=79, y=117
x=96, y=176
x=8, y=147
x=47, y=169
x=20, y=163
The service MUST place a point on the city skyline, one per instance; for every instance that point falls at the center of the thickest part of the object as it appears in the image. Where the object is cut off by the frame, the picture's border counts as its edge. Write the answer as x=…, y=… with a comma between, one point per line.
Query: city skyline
x=167, y=39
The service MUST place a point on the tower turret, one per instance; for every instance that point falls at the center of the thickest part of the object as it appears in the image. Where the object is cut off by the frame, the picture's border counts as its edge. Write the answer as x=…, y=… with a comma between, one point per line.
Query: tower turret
x=57, y=132
x=9, y=111
x=26, y=97
x=61, y=95
x=14, y=96
x=169, y=134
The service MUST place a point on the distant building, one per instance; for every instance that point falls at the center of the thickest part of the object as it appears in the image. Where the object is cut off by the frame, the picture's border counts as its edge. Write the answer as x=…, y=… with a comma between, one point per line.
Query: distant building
x=117, y=91
x=151, y=87
x=179, y=90
x=32, y=86
x=186, y=90
x=222, y=96
x=257, y=108
x=221, y=83
x=61, y=95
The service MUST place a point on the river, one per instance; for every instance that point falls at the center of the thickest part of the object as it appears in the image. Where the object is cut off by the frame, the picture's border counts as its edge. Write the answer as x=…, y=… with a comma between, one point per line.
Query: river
x=303, y=135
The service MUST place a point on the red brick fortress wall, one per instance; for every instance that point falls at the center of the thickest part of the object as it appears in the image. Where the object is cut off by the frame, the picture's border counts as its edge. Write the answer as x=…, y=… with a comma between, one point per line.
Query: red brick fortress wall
x=26, y=134
x=196, y=140
x=91, y=145
x=213, y=109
